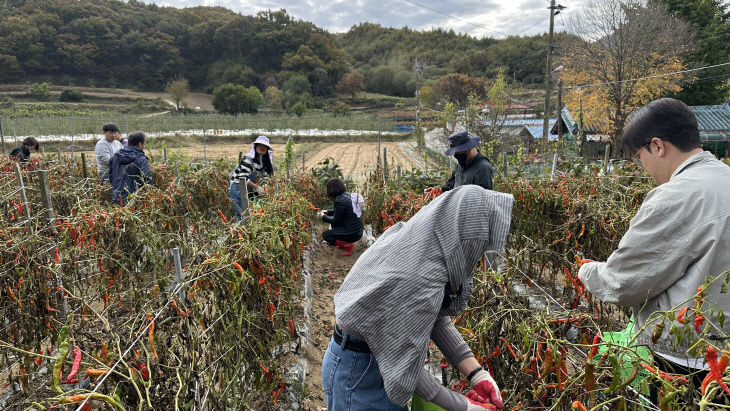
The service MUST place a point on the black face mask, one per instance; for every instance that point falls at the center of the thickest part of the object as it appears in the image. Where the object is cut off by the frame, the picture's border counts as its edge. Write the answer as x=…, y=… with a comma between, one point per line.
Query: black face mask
x=461, y=158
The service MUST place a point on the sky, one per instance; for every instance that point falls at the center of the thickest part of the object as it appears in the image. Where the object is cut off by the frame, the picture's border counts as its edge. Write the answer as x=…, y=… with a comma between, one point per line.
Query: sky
x=478, y=18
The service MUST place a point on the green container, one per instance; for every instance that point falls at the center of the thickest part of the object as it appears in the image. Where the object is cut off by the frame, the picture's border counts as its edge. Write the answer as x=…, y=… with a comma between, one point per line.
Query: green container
x=419, y=404
x=623, y=338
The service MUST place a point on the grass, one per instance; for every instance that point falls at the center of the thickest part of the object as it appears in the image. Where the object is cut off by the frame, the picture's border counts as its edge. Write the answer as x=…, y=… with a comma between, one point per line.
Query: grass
x=57, y=125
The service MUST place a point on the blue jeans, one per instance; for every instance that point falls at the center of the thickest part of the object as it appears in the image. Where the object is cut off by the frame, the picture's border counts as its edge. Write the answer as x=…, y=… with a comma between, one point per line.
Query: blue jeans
x=235, y=195
x=352, y=381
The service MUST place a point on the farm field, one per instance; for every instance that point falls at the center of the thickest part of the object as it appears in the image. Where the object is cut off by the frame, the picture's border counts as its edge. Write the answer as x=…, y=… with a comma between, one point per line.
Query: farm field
x=229, y=325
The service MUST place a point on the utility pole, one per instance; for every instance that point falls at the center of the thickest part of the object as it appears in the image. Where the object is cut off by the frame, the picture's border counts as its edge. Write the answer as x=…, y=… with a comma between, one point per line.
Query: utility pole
x=549, y=68
x=417, y=69
x=560, y=108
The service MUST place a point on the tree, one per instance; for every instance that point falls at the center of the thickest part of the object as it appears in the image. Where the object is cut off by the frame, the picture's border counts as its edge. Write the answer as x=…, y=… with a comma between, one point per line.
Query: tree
x=710, y=22
x=351, y=83
x=40, y=91
x=499, y=97
x=236, y=99
x=380, y=80
x=178, y=90
x=614, y=44
x=297, y=86
x=274, y=98
x=456, y=88
x=299, y=108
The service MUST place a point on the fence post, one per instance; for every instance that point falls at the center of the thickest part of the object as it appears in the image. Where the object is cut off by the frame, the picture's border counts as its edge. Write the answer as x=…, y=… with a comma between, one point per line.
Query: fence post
x=58, y=154
x=398, y=176
x=23, y=198
x=245, y=206
x=287, y=160
x=385, y=162
x=555, y=165
x=504, y=164
x=177, y=174
x=2, y=136
x=73, y=134
x=606, y=160
x=45, y=190
x=205, y=150
x=178, y=274
x=303, y=168
x=240, y=156
x=164, y=154
x=83, y=165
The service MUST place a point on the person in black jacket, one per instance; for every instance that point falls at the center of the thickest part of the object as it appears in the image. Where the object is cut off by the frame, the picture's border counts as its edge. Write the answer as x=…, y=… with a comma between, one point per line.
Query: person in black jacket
x=344, y=217
x=22, y=153
x=473, y=167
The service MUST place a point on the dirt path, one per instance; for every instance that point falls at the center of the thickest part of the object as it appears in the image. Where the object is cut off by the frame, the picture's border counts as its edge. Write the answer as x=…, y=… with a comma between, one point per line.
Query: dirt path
x=328, y=269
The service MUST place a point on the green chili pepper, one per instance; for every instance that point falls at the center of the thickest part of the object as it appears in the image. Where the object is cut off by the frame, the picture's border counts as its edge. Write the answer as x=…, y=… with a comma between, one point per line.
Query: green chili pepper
x=63, y=346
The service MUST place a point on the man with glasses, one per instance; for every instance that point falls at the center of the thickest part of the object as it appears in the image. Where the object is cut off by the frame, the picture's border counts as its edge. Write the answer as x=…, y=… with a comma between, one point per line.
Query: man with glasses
x=677, y=242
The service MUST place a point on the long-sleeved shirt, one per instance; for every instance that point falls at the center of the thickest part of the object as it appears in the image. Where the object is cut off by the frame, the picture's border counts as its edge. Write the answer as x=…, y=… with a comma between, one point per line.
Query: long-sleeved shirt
x=678, y=239
x=244, y=169
x=395, y=292
x=478, y=171
x=104, y=152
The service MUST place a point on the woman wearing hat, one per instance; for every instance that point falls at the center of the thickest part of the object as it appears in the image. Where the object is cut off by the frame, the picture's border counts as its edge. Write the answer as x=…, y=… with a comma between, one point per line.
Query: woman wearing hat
x=252, y=169
x=22, y=153
x=401, y=293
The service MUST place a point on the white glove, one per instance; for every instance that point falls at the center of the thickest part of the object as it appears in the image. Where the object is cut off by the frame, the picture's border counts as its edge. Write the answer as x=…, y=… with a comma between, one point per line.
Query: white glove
x=485, y=386
x=260, y=191
x=320, y=213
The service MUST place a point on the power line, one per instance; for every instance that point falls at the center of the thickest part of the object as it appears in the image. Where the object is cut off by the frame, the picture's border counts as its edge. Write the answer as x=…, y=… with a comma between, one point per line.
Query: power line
x=582, y=86
x=455, y=18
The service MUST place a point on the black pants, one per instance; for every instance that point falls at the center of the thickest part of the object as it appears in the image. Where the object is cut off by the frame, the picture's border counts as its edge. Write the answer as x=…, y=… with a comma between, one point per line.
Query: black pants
x=694, y=382
x=331, y=237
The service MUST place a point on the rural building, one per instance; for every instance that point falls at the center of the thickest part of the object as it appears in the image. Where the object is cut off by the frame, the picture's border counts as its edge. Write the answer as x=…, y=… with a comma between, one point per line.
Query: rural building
x=714, y=125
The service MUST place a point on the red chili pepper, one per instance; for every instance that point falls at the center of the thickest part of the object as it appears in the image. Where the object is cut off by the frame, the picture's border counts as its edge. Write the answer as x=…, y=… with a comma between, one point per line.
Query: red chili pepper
x=699, y=320
x=271, y=311
x=76, y=364
x=55, y=253
x=291, y=328
x=13, y=297
x=681, y=314
x=509, y=348
x=716, y=369
x=225, y=220
x=144, y=372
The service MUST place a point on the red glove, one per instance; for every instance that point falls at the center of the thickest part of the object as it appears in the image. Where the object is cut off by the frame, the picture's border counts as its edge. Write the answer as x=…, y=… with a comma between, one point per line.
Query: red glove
x=486, y=388
x=478, y=403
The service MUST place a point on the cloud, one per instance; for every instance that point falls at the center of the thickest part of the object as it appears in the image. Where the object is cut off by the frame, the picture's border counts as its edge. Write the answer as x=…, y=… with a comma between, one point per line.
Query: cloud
x=479, y=18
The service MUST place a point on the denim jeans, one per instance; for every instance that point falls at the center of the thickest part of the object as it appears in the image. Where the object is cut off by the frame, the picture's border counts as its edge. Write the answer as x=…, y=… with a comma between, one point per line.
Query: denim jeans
x=352, y=381
x=235, y=195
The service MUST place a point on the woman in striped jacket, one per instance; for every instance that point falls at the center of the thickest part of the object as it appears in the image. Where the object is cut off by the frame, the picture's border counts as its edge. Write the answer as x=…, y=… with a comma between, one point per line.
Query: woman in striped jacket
x=251, y=170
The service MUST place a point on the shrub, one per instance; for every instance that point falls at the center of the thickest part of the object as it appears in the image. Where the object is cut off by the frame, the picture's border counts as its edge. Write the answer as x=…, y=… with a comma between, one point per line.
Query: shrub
x=41, y=91
x=299, y=108
x=235, y=99
x=71, y=95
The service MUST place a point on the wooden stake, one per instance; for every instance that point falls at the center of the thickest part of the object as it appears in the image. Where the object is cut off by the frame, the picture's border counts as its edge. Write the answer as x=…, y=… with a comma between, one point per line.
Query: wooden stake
x=83, y=165
x=23, y=198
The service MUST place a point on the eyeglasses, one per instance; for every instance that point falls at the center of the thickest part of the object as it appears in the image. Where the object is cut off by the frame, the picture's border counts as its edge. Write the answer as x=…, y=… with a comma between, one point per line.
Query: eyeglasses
x=636, y=158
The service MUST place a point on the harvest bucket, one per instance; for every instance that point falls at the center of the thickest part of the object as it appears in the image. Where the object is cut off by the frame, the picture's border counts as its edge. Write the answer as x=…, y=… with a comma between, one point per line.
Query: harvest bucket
x=419, y=404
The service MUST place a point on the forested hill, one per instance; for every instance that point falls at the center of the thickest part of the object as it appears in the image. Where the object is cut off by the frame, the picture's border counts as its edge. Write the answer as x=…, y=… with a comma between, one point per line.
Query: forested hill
x=444, y=51
x=133, y=44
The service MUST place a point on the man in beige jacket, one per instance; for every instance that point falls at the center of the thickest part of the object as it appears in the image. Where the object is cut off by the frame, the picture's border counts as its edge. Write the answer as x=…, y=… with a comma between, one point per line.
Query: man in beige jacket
x=678, y=241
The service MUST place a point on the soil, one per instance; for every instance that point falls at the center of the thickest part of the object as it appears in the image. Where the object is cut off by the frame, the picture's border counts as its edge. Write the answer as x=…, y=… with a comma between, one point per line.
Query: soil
x=356, y=159
x=328, y=269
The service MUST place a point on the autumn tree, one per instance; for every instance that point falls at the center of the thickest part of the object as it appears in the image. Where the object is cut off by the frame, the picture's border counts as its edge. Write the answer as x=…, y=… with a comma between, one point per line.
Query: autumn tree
x=456, y=88
x=619, y=57
x=274, y=98
x=351, y=83
x=178, y=90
